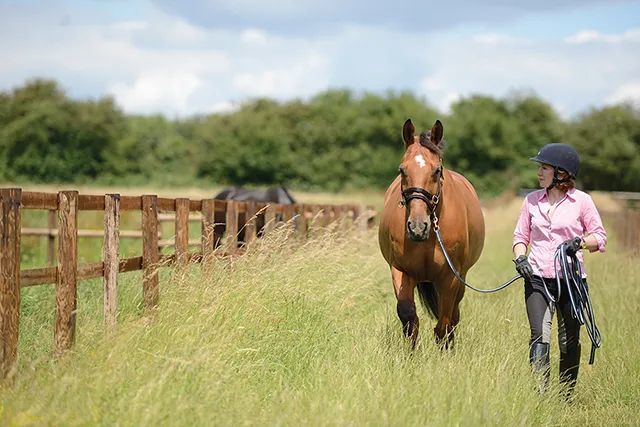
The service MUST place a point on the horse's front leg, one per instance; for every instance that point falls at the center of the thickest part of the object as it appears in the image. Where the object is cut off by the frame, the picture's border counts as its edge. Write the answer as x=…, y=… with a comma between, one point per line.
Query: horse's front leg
x=404, y=285
x=450, y=292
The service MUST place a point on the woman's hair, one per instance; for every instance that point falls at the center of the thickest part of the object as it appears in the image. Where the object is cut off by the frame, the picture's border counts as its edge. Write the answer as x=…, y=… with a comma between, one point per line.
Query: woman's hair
x=565, y=186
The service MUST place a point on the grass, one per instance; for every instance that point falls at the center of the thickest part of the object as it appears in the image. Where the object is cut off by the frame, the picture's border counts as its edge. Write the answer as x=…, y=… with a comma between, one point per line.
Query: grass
x=306, y=334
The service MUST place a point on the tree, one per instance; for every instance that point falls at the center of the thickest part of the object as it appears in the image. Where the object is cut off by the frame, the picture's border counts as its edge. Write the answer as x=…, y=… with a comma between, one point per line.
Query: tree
x=152, y=148
x=47, y=137
x=481, y=142
x=608, y=141
x=537, y=125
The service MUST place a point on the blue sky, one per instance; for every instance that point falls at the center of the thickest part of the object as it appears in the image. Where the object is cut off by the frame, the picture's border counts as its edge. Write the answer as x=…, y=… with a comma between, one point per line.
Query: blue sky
x=198, y=57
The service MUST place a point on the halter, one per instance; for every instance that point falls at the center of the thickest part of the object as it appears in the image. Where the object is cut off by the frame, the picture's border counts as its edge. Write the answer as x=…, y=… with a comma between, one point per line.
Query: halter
x=419, y=193
x=431, y=200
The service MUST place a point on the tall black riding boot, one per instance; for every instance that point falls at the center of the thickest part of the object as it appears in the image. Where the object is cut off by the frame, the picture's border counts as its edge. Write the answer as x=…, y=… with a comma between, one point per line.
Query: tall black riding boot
x=569, y=366
x=539, y=359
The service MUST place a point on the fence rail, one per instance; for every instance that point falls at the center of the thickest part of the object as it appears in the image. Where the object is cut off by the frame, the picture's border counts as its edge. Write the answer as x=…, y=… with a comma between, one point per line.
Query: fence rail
x=62, y=221
x=625, y=195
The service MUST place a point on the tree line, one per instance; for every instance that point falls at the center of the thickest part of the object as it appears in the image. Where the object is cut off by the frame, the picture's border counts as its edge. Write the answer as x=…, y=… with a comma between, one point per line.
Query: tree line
x=333, y=141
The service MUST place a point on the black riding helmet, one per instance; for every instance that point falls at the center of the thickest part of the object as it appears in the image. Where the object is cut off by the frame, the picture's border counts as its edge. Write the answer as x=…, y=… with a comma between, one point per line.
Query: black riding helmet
x=560, y=156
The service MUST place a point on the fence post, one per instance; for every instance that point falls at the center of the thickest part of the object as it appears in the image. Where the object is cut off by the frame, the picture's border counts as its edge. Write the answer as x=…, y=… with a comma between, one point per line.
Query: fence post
x=182, y=232
x=10, y=199
x=340, y=213
x=250, y=228
x=345, y=217
x=231, y=242
x=327, y=217
x=150, y=291
x=51, y=239
x=287, y=212
x=111, y=250
x=66, y=284
x=292, y=211
x=208, y=227
x=316, y=220
x=269, y=218
x=301, y=222
x=359, y=218
x=371, y=217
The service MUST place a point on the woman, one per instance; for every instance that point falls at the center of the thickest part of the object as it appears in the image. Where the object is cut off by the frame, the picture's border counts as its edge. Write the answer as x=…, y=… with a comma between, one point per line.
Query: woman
x=556, y=214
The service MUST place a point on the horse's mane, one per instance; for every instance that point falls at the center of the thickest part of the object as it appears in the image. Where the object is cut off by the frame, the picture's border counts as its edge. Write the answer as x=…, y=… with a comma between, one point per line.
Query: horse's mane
x=425, y=141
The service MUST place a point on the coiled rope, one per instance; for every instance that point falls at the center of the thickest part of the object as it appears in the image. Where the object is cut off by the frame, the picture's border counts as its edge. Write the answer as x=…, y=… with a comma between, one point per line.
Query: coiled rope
x=578, y=293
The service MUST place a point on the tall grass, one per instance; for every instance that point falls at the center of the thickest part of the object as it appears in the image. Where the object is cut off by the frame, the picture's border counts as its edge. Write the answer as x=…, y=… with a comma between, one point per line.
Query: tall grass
x=306, y=334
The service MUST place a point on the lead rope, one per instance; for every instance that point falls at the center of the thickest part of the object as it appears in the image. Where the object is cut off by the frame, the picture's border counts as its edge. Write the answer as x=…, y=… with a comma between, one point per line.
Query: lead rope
x=436, y=229
x=578, y=293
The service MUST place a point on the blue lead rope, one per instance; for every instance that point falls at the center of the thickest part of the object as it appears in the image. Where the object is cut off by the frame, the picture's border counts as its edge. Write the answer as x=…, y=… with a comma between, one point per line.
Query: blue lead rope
x=578, y=293
x=436, y=230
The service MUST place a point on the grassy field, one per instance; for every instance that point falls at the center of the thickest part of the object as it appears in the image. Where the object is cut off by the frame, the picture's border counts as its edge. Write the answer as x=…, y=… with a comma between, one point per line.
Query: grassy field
x=306, y=334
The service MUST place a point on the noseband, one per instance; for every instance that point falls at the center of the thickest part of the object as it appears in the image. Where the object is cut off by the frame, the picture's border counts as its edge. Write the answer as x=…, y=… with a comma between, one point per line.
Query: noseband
x=419, y=193
x=411, y=193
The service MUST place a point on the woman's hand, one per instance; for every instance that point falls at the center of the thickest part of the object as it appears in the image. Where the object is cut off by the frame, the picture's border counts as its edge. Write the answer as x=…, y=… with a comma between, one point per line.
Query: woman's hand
x=573, y=245
x=523, y=267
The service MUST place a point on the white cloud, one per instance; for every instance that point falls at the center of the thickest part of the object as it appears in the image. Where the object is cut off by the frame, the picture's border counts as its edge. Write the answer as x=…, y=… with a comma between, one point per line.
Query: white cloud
x=154, y=62
x=316, y=17
x=431, y=84
x=130, y=26
x=628, y=92
x=570, y=77
x=299, y=77
x=448, y=99
x=439, y=92
x=186, y=33
x=254, y=36
x=591, y=36
x=154, y=92
x=493, y=39
x=222, y=107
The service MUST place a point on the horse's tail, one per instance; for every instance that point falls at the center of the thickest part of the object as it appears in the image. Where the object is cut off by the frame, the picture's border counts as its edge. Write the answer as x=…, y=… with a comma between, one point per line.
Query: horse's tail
x=429, y=298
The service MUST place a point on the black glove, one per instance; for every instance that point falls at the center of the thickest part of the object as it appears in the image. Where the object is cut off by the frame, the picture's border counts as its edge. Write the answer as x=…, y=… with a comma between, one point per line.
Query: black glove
x=572, y=245
x=523, y=267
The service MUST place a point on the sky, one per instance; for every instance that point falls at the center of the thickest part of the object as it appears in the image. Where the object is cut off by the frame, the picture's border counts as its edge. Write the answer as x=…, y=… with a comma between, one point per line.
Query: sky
x=183, y=58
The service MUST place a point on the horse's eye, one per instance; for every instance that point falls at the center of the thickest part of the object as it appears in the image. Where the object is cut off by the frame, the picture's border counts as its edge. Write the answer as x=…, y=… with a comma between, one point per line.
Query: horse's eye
x=402, y=172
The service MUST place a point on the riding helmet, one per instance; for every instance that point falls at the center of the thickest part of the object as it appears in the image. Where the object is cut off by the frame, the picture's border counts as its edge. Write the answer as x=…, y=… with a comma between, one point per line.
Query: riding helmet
x=562, y=156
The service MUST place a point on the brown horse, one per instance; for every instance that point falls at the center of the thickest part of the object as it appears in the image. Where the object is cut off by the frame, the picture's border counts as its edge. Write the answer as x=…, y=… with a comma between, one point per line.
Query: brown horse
x=424, y=196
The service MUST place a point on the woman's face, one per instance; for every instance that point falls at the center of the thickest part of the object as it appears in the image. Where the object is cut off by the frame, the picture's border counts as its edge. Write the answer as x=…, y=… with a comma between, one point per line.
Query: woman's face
x=545, y=175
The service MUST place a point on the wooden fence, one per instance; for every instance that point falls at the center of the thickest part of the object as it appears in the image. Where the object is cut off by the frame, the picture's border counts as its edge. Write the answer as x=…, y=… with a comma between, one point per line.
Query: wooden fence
x=626, y=221
x=63, y=209
x=51, y=232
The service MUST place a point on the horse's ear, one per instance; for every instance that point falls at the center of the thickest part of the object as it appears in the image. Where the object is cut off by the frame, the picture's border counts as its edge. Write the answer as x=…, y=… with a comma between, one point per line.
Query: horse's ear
x=437, y=132
x=408, y=130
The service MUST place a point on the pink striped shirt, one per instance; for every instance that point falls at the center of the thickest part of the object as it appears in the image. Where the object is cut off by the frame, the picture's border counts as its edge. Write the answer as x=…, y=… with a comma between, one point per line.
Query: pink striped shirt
x=542, y=229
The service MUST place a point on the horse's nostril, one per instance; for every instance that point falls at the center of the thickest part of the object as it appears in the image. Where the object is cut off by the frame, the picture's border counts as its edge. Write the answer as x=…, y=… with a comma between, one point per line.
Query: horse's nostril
x=417, y=227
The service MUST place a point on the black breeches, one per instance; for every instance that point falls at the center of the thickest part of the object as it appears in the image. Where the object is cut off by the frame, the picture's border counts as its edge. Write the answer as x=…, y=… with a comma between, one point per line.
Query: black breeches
x=540, y=310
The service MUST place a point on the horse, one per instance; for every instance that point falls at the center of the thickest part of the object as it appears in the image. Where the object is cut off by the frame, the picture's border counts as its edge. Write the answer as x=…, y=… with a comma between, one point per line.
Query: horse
x=278, y=195
x=424, y=197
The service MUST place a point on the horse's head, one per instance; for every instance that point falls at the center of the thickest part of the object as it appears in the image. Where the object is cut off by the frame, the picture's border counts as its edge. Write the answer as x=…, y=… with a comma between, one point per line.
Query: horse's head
x=422, y=174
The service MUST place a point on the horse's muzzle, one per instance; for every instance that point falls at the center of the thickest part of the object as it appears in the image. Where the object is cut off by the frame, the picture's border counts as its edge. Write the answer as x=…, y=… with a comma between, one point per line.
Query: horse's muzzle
x=418, y=230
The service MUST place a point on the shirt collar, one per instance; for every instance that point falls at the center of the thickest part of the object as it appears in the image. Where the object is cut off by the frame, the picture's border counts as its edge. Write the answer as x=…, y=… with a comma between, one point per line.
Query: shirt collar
x=570, y=194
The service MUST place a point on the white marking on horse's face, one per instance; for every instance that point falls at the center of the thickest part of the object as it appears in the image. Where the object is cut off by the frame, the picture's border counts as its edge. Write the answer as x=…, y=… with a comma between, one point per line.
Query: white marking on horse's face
x=420, y=160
